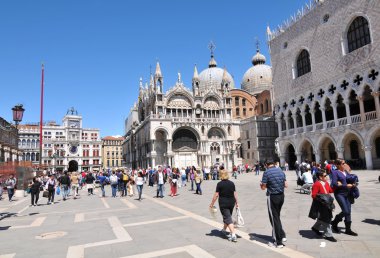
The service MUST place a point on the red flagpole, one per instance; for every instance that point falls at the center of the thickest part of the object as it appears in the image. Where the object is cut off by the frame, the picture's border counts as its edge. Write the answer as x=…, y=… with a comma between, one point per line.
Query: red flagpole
x=42, y=111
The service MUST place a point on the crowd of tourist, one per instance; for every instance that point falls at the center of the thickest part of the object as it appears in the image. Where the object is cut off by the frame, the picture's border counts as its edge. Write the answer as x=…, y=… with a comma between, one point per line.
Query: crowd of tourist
x=319, y=180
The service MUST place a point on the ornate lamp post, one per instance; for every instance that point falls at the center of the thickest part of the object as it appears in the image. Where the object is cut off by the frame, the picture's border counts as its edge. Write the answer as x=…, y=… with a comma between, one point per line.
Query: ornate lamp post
x=18, y=113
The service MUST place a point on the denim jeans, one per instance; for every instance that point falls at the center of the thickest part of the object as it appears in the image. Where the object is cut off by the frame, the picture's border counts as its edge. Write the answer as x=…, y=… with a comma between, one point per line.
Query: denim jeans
x=114, y=189
x=139, y=190
x=11, y=192
x=199, y=190
x=345, y=205
x=192, y=184
x=103, y=191
x=183, y=180
x=65, y=191
x=160, y=190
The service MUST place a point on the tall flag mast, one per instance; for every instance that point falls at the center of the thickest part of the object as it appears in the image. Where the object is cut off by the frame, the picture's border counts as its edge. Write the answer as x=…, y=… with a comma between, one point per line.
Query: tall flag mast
x=42, y=110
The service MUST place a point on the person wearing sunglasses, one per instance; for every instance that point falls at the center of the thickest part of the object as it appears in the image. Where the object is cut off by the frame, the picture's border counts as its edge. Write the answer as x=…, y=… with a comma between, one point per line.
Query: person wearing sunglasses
x=323, y=204
x=341, y=193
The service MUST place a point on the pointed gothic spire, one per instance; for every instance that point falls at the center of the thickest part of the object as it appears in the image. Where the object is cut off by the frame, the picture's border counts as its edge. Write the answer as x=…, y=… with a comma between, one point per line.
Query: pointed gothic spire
x=195, y=76
x=151, y=82
x=158, y=70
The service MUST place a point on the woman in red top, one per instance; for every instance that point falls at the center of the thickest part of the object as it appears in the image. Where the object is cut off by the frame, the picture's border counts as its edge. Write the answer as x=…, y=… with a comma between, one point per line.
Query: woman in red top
x=323, y=223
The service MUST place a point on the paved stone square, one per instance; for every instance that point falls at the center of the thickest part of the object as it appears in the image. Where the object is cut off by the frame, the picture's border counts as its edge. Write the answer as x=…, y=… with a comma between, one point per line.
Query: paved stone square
x=181, y=226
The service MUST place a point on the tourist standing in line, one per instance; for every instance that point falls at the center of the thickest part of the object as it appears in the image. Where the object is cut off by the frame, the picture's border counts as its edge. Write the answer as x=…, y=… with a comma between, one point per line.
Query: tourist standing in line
x=226, y=192
x=11, y=184
x=139, y=183
x=64, y=181
x=50, y=186
x=341, y=192
x=35, y=191
x=274, y=181
x=321, y=189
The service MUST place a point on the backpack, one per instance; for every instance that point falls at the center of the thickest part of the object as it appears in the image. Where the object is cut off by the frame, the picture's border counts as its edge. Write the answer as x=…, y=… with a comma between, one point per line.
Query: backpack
x=113, y=180
x=125, y=177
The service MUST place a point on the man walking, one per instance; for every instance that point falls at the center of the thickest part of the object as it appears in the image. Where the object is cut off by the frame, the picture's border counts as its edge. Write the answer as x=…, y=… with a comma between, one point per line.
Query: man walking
x=11, y=184
x=274, y=181
x=65, y=184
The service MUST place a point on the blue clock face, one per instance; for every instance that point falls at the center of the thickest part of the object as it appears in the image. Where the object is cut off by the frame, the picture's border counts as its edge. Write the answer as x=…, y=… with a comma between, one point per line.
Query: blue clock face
x=73, y=149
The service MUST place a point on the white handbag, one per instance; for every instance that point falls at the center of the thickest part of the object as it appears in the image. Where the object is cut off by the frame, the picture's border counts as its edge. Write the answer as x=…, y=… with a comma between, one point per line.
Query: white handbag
x=239, y=222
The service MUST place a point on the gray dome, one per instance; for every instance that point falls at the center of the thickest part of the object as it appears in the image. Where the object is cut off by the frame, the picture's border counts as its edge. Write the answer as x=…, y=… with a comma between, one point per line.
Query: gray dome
x=259, y=77
x=212, y=77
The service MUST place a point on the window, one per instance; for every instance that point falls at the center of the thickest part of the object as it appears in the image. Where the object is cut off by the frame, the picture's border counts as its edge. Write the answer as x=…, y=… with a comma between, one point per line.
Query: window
x=358, y=34
x=303, y=63
x=249, y=144
x=244, y=112
x=243, y=102
x=236, y=101
x=238, y=112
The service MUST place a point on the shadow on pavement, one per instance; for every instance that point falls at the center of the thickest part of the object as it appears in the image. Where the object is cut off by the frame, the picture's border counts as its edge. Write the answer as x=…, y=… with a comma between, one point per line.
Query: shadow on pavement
x=260, y=238
x=4, y=215
x=216, y=233
x=309, y=234
x=372, y=221
x=5, y=228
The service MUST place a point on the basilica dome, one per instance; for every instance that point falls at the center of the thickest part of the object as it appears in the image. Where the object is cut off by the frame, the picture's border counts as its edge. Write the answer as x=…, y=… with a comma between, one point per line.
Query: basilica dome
x=259, y=77
x=212, y=77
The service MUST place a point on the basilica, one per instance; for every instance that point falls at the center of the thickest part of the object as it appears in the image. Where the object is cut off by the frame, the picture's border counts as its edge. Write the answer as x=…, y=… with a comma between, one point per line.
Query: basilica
x=202, y=125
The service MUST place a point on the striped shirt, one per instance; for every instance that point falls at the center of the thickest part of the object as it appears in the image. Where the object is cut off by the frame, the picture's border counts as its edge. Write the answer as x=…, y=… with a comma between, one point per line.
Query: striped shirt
x=274, y=178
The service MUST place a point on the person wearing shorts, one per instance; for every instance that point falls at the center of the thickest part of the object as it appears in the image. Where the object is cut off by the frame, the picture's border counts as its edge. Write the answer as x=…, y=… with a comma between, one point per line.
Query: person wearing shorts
x=226, y=192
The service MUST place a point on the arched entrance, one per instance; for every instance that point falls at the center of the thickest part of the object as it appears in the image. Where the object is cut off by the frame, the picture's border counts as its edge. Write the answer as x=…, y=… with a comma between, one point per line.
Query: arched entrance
x=215, y=152
x=307, y=151
x=73, y=166
x=353, y=152
x=290, y=156
x=160, y=147
x=185, y=147
x=328, y=150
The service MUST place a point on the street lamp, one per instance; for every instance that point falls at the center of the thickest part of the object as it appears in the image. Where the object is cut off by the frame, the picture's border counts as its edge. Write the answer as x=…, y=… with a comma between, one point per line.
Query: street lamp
x=18, y=113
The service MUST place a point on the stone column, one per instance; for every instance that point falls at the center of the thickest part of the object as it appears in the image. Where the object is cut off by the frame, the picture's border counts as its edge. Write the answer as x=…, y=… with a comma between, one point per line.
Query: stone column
x=361, y=106
x=287, y=124
x=339, y=151
x=324, y=117
x=303, y=113
x=317, y=156
x=334, y=106
x=299, y=158
x=279, y=126
x=348, y=114
x=295, y=122
x=282, y=160
x=368, y=157
x=377, y=103
x=313, y=119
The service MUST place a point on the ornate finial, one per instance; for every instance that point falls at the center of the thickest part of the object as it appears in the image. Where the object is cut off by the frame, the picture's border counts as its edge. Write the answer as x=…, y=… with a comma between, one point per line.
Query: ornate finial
x=212, y=47
x=257, y=44
x=179, y=77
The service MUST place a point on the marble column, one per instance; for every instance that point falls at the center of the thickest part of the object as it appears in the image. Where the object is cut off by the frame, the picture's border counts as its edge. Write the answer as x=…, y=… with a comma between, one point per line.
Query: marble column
x=279, y=127
x=303, y=113
x=377, y=103
x=313, y=120
x=287, y=124
x=348, y=114
x=334, y=106
x=299, y=157
x=361, y=106
x=368, y=157
x=324, y=117
x=282, y=160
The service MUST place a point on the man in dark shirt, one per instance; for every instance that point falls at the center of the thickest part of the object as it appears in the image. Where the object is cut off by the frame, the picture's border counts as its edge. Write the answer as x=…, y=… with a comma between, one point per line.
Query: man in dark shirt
x=274, y=181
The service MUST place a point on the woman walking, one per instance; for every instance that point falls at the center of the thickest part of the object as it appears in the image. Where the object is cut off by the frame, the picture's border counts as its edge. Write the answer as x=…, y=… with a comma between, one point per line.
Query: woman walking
x=35, y=191
x=226, y=192
x=198, y=181
x=50, y=186
x=90, y=183
x=323, y=205
x=139, y=183
x=341, y=192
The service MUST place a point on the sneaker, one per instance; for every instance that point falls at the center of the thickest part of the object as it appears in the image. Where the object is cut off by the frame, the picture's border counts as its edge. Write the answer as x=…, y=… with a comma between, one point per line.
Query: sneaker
x=232, y=238
x=332, y=239
x=316, y=231
x=280, y=246
x=284, y=239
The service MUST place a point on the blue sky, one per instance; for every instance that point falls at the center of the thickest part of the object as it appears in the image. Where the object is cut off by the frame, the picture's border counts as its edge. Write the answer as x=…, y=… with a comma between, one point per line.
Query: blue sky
x=95, y=51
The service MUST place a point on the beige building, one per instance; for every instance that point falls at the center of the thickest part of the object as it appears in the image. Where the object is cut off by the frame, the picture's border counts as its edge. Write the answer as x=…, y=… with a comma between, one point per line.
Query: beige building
x=112, y=155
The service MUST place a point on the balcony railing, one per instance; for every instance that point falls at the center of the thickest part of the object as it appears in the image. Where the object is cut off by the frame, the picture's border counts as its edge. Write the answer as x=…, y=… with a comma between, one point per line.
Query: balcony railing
x=356, y=119
x=370, y=116
x=319, y=126
x=291, y=131
x=300, y=130
x=342, y=121
x=330, y=124
x=309, y=128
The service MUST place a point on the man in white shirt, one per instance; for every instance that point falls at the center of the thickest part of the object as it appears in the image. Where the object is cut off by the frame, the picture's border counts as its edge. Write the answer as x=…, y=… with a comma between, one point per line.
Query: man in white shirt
x=307, y=178
x=160, y=180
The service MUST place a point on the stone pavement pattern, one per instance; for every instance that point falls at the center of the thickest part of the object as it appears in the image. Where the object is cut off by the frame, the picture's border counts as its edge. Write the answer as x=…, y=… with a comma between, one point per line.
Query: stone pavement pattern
x=181, y=226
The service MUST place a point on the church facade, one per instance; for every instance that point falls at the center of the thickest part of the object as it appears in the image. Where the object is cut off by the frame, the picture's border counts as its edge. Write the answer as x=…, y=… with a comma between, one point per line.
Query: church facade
x=327, y=84
x=199, y=126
